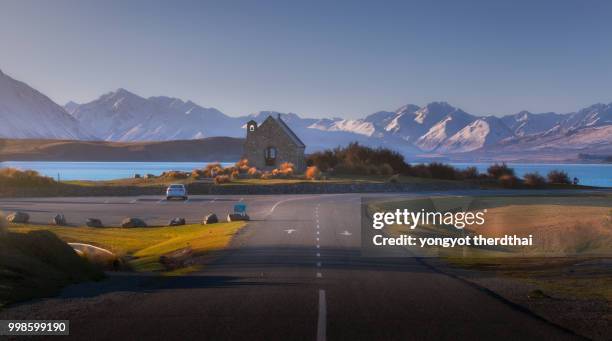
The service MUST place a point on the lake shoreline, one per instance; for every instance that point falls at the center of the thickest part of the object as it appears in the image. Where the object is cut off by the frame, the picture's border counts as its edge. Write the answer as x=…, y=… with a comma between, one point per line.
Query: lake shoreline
x=590, y=174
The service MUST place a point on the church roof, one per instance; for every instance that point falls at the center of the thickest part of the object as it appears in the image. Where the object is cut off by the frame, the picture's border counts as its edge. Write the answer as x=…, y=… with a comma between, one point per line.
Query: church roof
x=290, y=133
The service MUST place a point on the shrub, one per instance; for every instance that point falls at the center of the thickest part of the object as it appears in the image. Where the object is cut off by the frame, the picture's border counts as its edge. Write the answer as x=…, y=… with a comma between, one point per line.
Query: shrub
x=196, y=174
x=509, y=181
x=222, y=179
x=420, y=171
x=394, y=178
x=558, y=177
x=470, y=173
x=534, y=180
x=497, y=170
x=385, y=169
x=175, y=175
x=442, y=171
x=213, y=169
x=16, y=177
x=357, y=159
x=254, y=173
x=313, y=173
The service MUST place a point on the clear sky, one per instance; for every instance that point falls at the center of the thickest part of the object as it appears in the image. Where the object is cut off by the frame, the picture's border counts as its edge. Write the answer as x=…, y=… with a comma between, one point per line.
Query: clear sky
x=316, y=58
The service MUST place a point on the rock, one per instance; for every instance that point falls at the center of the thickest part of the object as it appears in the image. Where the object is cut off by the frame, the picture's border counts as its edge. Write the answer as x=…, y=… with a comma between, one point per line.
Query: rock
x=94, y=222
x=210, y=219
x=18, y=217
x=59, y=220
x=133, y=222
x=237, y=217
x=176, y=222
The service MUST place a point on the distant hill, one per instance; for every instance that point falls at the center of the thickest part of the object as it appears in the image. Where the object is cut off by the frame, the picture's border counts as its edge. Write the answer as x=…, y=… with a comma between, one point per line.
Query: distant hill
x=208, y=149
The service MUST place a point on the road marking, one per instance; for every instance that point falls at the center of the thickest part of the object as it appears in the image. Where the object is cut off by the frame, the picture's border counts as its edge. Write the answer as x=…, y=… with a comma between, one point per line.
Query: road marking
x=186, y=201
x=106, y=201
x=318, y=246
x=346, y=233
x=318, y=226
x=318, y=254
x=133, y=201
x=317, y=238
x=215, y=199
x=319, y=264
x=318, y=232
x=319, y=275
x=241, y=199
x=322, y=321
x=290, y=231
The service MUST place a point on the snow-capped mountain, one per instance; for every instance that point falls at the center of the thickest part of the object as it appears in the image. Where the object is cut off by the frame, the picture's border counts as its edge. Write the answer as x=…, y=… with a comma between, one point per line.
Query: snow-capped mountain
x=124, y=116
x=483, y=132
x=594, y=116
x=526, y=123
x=27, y=113
x=437, y=128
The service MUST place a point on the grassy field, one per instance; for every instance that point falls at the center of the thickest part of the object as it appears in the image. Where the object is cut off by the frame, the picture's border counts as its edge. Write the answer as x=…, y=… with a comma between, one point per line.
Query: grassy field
x=141, y=248
x=572, y=251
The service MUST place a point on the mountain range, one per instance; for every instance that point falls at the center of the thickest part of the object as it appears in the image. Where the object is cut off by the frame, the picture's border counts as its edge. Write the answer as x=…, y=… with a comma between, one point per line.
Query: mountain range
x=437, y=129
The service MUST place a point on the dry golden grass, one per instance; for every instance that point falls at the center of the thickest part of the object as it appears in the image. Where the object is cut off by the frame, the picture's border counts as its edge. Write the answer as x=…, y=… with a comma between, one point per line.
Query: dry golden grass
x=143, y=246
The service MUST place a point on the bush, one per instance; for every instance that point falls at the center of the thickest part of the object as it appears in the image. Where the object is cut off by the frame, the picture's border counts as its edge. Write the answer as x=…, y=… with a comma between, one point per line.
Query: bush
x=508, y=181
x=222, y=179
x=470, y=173
x=534, y=180
x=175, y=175
x=356, y=159
x=558, y=177
x=442, y=171
x=497, y=170
x=16, y=177
x=197, y=174
x=394, y=178
x=213, y=169
x=313, y=173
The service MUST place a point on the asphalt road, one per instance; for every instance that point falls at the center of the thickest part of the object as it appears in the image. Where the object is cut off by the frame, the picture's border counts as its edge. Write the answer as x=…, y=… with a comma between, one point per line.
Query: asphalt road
x=295, y=273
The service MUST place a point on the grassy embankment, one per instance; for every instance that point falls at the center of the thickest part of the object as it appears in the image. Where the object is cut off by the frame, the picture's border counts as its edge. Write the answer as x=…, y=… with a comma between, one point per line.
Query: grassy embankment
x=38, y=264
x=572, y=237
x=142, y=248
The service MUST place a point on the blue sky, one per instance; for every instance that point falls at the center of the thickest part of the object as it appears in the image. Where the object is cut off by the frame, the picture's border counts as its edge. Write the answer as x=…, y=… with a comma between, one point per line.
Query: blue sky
x=316, y=58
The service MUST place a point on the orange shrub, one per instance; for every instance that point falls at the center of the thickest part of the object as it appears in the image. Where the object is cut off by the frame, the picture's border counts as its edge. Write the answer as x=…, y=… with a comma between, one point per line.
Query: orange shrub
x=222, y=179
x=313, y=173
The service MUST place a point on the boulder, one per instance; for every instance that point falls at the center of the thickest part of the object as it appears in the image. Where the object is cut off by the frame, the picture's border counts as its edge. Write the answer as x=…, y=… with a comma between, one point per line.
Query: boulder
x=176, y=222
x=133, y=222
x=94, y=222
x=237, y=217
x=210, y=219
x=59, y=220
x=18, y=217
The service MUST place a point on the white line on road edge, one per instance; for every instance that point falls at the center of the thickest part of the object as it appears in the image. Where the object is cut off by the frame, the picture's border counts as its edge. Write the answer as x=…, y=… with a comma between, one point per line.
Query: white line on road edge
x=319, y=275
x=322, y=321
x=318, y=254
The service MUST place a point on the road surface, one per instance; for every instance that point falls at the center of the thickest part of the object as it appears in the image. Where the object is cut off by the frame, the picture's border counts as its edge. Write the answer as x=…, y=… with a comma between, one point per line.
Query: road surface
x=295, y=273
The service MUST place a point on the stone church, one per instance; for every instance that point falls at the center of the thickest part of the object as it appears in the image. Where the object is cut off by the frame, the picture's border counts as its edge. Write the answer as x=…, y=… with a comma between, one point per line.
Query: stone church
x=272, y=143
